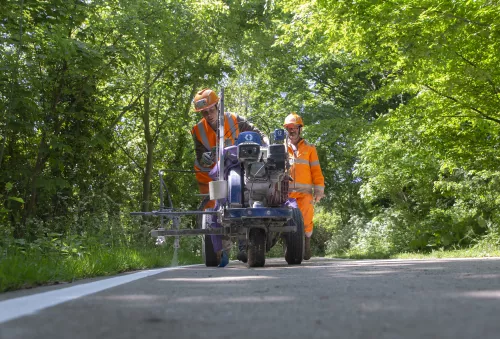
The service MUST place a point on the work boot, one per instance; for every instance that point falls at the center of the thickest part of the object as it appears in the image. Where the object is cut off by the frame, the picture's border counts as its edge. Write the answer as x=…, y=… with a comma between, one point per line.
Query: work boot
x=222, y=258
x=218, y=256
x=242, y=256
x=307, y=251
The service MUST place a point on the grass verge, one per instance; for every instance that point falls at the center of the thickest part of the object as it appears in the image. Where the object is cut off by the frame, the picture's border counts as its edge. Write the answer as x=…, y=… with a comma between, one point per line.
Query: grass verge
x=27, y=270
x=442, y=254
x=481, y=250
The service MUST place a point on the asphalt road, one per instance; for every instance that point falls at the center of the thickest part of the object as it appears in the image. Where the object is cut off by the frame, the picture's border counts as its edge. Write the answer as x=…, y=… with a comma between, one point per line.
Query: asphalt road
x=323, y=298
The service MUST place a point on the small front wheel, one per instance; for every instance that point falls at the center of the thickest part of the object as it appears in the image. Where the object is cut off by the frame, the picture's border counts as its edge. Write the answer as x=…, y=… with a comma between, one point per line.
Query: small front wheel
x=256, y=247
x=207, y=248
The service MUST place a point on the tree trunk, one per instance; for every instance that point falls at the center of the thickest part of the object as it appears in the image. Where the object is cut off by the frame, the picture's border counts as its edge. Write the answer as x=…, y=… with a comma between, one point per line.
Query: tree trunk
x=41, y=160
x=148, y=171
x=43, y=147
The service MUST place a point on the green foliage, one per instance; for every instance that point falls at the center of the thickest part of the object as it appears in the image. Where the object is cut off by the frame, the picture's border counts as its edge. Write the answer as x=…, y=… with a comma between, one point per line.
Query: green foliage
x=400, y=97
x=426, y=168
x=328, y=231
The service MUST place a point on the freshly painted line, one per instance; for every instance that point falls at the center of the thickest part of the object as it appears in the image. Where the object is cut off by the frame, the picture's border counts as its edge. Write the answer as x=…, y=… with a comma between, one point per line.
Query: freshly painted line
x=19, y=307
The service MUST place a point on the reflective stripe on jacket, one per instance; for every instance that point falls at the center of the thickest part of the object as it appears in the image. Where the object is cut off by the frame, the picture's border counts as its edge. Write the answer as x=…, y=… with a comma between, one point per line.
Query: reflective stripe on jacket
x=208, y=138
x=305, y=169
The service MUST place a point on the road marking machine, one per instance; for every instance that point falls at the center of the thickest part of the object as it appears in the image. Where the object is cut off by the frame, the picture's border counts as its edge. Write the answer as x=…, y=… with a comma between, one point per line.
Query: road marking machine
x=250, y=187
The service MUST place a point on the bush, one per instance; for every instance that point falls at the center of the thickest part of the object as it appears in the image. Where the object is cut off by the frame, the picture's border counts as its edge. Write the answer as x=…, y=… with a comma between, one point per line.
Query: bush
x=326, y=228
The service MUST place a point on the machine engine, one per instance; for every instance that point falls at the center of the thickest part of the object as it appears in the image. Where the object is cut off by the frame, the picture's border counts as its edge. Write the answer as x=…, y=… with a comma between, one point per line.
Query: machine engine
x=265, y=169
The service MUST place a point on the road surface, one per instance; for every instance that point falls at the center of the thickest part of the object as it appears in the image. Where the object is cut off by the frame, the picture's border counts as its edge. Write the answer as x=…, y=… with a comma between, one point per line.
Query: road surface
x=322, y=298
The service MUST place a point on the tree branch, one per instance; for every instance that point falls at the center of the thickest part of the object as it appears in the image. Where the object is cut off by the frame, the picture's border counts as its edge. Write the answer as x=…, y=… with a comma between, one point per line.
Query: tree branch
x=461, y=116
x=482, y=114
x=141, y=169
x=490, y=81
x=450, y=15
x=186, y=108
x=136, y=100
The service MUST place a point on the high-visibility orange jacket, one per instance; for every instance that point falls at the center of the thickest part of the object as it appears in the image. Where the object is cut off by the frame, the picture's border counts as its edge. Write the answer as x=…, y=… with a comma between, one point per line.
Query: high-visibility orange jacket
x=307, y=180
x=205, y=138
x=305, y=169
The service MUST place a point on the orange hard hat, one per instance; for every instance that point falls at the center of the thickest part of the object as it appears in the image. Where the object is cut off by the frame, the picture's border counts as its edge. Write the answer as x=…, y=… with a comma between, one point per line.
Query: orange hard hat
x=204, y=99
x=293, y=119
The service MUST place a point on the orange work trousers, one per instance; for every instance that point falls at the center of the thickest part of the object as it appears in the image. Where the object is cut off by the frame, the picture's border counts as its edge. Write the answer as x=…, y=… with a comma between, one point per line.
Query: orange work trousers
x=305, y=203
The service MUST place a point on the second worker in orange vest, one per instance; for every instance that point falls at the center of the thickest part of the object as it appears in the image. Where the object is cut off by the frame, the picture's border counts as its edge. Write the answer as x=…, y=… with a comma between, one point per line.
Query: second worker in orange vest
x=308, y=185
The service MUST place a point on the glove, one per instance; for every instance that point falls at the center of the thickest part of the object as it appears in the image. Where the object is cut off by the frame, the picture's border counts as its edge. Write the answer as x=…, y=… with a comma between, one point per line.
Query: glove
x=206, y=159
x=318, y=196
x=265, y=141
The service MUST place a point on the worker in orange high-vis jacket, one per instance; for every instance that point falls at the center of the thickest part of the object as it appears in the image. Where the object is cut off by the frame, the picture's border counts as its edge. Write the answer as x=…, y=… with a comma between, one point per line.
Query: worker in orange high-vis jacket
x=204, y=135
x=308, y=185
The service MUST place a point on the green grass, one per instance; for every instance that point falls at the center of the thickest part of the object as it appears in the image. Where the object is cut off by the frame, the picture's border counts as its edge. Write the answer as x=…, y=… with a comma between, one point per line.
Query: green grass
x=481, y=250
x=26, y=270
x=434, y=254
x=482, y=247
x=459, y=253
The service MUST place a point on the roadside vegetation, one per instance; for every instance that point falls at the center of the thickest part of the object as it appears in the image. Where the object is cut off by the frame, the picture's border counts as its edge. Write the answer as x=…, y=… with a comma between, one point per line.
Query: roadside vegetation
x=401, y=99
x=56, y=260
x=334, y=241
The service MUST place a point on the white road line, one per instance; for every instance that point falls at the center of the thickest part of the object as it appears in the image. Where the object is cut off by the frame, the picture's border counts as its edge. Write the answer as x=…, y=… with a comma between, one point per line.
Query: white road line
x=19, y=307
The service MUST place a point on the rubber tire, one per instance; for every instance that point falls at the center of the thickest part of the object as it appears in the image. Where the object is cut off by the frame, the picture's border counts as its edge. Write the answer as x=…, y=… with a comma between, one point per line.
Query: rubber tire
x=207, y=248
x=256, y=248
x=295, y=240
x=201, y=207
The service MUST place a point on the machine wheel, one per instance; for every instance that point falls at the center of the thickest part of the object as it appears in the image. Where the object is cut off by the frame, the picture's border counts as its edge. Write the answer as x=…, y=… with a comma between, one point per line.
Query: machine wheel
x=208, y=252
x=256, y=247
x=295, y=240
x=201, y=207
x=207, y=248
